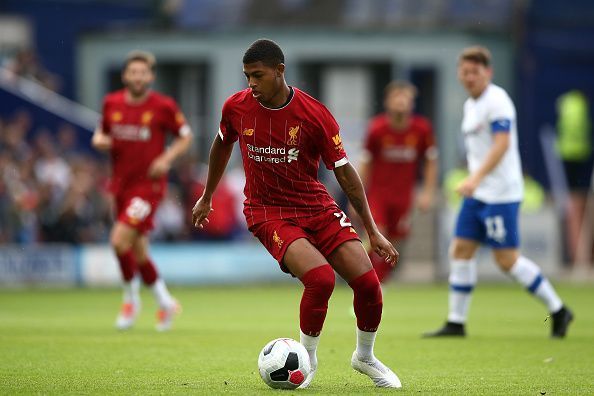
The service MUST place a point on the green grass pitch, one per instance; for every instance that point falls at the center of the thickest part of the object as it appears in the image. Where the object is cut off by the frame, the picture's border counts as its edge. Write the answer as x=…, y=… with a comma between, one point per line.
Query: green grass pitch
x=63, y=342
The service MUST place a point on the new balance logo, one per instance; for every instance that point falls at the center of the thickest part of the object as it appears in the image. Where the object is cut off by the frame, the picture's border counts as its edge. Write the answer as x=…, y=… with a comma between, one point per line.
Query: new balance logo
x=292, y=155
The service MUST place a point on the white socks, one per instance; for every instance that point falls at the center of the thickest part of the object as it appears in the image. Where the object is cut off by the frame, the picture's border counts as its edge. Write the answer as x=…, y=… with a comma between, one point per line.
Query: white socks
x=161, y=294
x=529, y=275
x=311, y=346
x=132, y=291
x=462, y=281
x=365, y=342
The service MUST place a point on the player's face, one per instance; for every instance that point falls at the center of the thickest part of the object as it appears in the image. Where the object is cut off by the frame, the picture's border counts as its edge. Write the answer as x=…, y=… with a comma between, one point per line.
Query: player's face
x=474, y=77
x=266, y=82
x=399, y=101
x=137, y=77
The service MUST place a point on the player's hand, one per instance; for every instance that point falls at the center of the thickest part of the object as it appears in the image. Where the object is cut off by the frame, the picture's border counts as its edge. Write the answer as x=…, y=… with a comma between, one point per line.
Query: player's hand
x=200, y=212
x=101, y=141
x=384, y=248
x=159, y=167
x=425, y=201
x=467, y=186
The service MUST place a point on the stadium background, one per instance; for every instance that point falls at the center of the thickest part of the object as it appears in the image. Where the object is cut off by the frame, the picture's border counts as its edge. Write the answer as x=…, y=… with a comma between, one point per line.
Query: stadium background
x=54, y=224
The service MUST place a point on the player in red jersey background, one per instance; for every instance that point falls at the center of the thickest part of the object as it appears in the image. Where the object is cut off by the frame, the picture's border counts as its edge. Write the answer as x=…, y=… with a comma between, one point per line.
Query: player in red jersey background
x=283, y=133
x=134, y=127
x=397, y=143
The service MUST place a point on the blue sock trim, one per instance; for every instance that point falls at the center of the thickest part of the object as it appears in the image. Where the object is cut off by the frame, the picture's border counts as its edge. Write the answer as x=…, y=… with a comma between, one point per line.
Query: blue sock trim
x=537, y=281
x=462, y=288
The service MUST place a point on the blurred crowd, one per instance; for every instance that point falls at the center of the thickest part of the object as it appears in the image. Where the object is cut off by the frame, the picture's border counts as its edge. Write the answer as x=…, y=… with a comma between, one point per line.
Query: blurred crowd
x=53, y=191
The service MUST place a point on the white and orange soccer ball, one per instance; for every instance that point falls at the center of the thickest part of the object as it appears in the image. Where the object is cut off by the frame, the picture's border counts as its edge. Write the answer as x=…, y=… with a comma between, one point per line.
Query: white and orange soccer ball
x=284, y=363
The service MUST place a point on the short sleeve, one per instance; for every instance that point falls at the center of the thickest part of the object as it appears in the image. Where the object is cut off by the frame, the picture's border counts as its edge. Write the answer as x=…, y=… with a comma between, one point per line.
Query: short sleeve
x=331, y=147
x=501, y=113
x=427, y=148
x=175, y=121
x=371, y=145
x=104, y=121
x=226, y=132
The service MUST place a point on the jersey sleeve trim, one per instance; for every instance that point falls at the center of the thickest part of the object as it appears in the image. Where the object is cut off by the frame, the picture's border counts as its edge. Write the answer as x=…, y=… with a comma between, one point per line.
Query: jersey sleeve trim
x=185, y=130
x=432, y=153
x=501, y=125
x=341, y=162
x=221, y=135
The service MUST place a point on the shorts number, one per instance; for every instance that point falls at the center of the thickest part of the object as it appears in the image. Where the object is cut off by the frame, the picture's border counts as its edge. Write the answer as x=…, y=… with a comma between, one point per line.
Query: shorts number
x=496, y=228
x=343, y=219
x=138, y=209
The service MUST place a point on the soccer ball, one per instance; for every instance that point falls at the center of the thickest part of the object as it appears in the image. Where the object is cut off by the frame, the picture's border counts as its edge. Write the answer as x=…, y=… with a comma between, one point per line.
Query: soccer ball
x=284, y=363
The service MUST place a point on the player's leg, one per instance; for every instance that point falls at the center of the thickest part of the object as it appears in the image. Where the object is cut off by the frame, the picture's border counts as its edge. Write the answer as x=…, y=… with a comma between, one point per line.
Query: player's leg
x=529, y=275
x=352, y=263
x=304, y=261
x=462, y=279
x=168, y=306
x=122, y=239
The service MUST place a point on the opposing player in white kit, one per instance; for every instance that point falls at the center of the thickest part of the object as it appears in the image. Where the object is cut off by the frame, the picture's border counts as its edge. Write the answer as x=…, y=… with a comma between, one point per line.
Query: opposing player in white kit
x=492, y=195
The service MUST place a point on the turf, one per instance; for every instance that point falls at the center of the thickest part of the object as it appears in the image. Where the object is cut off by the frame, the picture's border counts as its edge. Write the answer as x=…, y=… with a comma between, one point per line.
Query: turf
x=63, y=342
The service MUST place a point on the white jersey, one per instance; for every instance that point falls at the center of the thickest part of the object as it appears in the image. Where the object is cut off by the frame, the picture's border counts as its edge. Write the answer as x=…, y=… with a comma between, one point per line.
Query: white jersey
x=494, y=109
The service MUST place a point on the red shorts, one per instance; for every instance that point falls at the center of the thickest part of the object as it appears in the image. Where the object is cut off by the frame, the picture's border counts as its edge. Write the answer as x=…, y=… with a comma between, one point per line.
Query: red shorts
x=325, y=230
x=393, y=218
x=137, y=209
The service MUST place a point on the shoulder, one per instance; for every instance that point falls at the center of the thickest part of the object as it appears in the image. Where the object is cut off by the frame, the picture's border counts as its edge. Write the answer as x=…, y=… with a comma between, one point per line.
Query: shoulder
x=421, y=123
x=378, y=123
x=236, y=100
x=162, y=100
x=114, y=97
x=498, y=99
x=497, y=94
x=311, y=104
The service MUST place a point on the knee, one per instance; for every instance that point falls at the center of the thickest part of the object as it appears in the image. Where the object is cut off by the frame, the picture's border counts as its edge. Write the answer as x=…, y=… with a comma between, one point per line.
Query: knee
x=321, y=279
x=120, y=245
x=462, y=251
x=368, y=286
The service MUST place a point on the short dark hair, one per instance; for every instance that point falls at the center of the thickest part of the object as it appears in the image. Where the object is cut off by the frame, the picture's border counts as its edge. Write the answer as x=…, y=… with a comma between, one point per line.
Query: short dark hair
x=400, y=85
x=265, y=51
x=476, y=54
x=142, y=56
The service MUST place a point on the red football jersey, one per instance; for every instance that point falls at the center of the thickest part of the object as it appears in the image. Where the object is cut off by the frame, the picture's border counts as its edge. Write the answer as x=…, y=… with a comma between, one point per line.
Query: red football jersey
x=139, y=136
x=395, y=156
x=281, y=150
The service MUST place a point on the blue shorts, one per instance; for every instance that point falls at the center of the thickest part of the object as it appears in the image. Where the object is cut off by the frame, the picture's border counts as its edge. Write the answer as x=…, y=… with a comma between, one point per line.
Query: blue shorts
x=495, y=225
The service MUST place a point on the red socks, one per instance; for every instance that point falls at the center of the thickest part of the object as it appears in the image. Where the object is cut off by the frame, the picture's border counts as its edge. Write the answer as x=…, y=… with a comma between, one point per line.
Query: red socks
x=367, y=301
x=319, y=284
x=148, y=271
x=382, y=269
x=127, y=265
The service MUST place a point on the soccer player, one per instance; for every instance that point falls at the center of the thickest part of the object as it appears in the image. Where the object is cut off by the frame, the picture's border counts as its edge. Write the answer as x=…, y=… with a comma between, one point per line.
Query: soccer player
x=492, y=195
x=397, y=142
x=282, y=134
x=134, y=128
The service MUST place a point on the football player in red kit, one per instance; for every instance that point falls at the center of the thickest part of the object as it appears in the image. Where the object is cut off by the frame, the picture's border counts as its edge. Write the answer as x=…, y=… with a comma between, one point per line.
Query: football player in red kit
x=134, y=127
x=282, y=134
x=397, y=142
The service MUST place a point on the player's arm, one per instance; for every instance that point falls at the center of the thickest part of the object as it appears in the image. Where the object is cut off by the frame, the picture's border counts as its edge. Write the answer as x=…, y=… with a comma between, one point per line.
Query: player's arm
x=351, y=184
x=501, y=141
x=161, y=165
x=101, y=141
x=430, y=172
x=220, y=152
